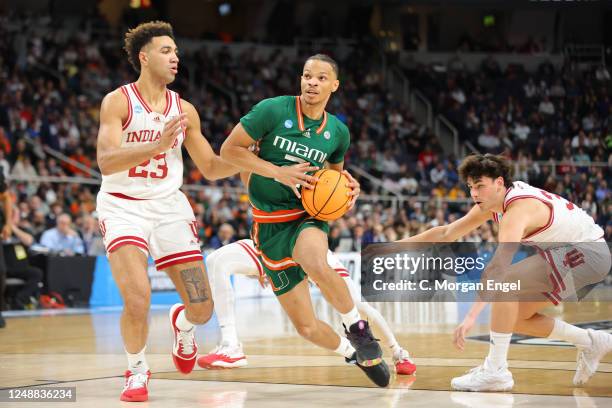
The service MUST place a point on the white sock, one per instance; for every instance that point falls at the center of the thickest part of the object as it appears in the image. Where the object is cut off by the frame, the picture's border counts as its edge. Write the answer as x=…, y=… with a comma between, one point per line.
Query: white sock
x=229, y=260
x=228, y=333
x=498, y=349
x=379, y=324
x=137, y=363
x=570, y=333
x=351, y=317
x=182, y=323
x=395, y=349
x=345, y=348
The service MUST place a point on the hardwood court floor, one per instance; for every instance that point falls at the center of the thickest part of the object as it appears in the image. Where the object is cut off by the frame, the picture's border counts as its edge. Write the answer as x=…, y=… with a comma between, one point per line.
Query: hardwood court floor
x=85, y=350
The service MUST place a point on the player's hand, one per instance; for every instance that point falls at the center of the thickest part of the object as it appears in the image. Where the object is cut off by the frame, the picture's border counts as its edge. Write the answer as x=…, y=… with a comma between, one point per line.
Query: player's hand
x=7, y=231
x=296, y=175
x=355, y=189
x=172, y=129
x=461, y=331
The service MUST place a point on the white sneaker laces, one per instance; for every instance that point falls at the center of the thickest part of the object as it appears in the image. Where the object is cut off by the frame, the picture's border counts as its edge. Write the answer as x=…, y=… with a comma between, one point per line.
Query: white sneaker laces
x=137, y=380
x=477, y=370
x=187, y=340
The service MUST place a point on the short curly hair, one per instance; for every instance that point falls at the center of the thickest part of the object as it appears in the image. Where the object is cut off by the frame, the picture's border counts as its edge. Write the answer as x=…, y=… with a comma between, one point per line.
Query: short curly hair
x=477, y=166
x=138, y=37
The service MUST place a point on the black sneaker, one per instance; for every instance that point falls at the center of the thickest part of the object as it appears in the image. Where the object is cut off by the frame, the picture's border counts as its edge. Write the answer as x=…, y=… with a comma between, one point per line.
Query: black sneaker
x=352, y=359
x=368, y=354
x=2, y=321
x=379, y=374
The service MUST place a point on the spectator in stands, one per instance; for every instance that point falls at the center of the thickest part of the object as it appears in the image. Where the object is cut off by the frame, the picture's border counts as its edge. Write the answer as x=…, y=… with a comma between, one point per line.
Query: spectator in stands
x=18, y=266
x=91, y=236
x=23, y=167
x=438, y=174
x=224, y=236
x=602, y=74
x=63, y=238
x=488, y=140
x=4, y=164
x=546, y=107
x=358, y=233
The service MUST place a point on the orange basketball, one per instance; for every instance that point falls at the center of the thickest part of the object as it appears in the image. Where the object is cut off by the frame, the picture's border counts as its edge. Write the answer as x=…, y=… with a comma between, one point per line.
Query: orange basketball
x=328, y=199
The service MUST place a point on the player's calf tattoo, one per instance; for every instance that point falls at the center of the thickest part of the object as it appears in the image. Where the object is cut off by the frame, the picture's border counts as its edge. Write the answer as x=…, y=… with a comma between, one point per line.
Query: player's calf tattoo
x=195, y=285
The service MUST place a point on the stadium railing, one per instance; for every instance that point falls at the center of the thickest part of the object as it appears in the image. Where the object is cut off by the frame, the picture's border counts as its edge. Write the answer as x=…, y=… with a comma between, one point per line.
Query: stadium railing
x=449, y=136
x=421, y=107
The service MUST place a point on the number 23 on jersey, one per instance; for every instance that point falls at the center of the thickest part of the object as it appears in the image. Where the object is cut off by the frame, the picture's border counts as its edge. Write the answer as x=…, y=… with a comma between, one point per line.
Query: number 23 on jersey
x=161, y=171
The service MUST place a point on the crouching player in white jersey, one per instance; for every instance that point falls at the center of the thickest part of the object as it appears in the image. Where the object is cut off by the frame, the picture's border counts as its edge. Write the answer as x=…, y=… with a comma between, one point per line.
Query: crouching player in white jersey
x=142, y=211
x=239, y=258
x=577, y=256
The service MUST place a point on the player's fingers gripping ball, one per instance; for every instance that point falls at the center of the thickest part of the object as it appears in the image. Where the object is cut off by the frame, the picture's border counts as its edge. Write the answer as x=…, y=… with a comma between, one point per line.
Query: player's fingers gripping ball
x=329, y=198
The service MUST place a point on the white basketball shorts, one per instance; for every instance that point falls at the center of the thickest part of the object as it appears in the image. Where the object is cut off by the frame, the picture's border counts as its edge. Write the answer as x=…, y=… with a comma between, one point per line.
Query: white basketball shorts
x=165, y=228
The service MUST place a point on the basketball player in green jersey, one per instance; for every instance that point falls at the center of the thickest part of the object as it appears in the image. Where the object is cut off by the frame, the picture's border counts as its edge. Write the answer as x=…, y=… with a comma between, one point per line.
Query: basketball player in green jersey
x=296, y=136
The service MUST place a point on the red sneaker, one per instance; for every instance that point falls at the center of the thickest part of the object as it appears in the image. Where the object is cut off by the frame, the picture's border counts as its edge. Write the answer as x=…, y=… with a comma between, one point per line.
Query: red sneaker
x=403, y=363
x=135, y=389
x=185, y=348
x=223, y=356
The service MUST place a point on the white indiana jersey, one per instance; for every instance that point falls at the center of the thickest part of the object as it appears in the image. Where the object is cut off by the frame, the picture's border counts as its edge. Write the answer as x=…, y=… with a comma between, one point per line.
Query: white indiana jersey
x=162, y=175
x=567, y=221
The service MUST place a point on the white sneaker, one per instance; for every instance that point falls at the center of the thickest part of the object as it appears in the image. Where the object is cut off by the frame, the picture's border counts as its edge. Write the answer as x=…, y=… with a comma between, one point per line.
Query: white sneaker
x=185, y=348
x=589, y=357
x=224, y=356
x=483, y=378
x=136, y=387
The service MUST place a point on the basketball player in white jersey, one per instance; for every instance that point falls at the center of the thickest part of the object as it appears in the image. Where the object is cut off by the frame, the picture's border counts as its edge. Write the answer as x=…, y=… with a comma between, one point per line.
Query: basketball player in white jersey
x=142, y=211
x=529, y=215
x=240, y=258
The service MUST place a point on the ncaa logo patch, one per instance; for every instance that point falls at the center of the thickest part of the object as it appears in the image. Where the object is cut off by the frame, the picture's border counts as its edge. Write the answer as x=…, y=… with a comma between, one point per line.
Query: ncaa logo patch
x=288, y=124
x=138, y=109
x=327, y=135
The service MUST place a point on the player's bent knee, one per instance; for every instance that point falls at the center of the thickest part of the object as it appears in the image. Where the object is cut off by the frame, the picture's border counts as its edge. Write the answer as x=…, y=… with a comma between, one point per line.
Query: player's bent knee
x=307, y=331
x=528, y=310
x=318, y=271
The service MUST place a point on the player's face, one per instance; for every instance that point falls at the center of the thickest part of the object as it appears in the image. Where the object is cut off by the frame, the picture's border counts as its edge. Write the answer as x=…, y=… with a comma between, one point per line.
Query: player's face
x=487, y=193
x=318, y=82
x=160, y=58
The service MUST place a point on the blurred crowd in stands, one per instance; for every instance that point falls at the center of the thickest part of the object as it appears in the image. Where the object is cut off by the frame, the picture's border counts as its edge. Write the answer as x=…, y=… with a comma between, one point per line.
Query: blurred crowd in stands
x=52, y=81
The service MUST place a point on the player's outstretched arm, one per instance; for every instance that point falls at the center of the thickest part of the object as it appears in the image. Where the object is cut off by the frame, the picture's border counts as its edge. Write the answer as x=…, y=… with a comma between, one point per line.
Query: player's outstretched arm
x=466, y=325
x=209, y=164
x=511, y=229
x=455, y=230
x=110, y=156
x=235, y=150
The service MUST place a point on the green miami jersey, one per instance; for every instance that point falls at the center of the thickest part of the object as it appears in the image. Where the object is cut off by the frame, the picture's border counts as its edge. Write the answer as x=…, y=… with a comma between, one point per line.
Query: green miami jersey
x=287, y=137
